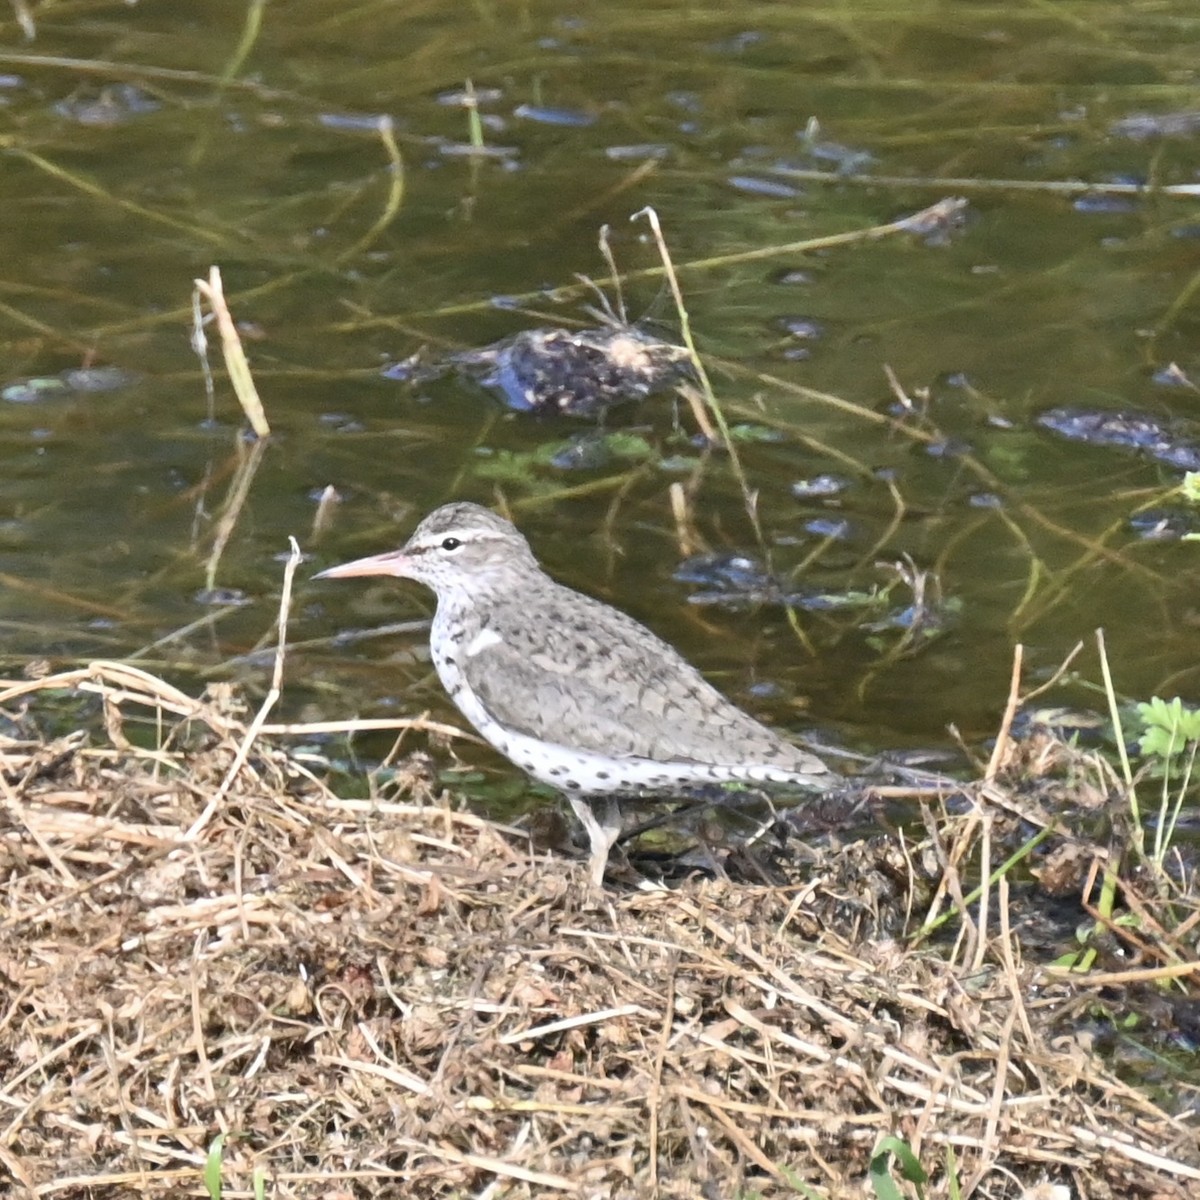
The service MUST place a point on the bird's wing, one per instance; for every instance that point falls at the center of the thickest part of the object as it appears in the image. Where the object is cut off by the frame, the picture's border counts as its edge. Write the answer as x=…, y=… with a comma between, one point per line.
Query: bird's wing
x=593, y=678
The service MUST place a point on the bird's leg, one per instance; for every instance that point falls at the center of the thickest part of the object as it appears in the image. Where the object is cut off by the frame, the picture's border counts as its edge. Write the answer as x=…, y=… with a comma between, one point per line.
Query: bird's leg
x=603, y=826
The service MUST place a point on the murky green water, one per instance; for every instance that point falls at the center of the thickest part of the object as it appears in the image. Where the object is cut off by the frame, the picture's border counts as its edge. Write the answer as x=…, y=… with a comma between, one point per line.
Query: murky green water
x=133, y=164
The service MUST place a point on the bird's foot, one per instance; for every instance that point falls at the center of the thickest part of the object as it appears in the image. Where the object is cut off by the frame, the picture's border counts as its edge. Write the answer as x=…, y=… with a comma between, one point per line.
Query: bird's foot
x=602, y=821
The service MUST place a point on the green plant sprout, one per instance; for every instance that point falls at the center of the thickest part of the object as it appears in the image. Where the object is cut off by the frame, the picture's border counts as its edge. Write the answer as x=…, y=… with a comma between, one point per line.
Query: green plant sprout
x=1169, y=740
x=911, y=1171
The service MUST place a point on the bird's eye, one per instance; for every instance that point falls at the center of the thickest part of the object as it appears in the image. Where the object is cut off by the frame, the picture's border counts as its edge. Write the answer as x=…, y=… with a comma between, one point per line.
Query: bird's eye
x=450, y=543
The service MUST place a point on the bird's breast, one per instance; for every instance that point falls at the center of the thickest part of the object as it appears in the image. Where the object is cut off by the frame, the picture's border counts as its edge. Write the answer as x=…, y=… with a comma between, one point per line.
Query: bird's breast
x=453, y=643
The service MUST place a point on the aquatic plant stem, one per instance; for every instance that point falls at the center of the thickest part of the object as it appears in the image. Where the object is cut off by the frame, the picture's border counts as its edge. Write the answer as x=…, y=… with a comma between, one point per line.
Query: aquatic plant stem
x=706, y=388
x=1114, y=713
x=251, y=29
x=1022, y=852
x=474, y=124
x=395, y=197
x=1108, y=886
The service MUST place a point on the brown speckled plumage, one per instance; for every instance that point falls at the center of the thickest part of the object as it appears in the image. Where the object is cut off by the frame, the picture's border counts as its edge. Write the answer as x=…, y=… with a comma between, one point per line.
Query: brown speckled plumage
x=577, y=693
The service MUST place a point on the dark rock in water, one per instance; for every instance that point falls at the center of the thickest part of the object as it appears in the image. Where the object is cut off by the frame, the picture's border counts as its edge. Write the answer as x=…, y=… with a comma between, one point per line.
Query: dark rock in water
x=33, y=391
x=98, y=379
x=1163, y=524
x=803, y=329
x=1174, y=442
x=579, y=373
x=1143, y=126
x=573, y=118
x=735, y=581
x=114, y=105
x=837, y=529
x=949, y=448
x=985, y=500
x=222, y=598
x=66, y=383
x=820, y=487
x=1100, y=202
x=754, y=185
x=586, y=453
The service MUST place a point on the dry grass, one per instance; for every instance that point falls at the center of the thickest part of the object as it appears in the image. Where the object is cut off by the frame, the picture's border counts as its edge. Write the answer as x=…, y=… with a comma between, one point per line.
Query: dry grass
x=392, y=997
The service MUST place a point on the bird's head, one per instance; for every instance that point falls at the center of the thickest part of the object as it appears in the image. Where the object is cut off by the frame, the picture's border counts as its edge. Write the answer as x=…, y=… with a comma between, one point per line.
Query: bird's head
x=457, y=548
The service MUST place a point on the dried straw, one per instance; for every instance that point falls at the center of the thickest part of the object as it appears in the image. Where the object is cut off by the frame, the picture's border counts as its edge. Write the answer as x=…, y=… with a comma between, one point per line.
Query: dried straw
x=394, y=997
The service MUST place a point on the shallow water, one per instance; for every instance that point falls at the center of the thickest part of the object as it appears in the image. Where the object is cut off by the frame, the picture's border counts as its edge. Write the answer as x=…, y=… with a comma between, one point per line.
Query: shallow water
x=142, y=149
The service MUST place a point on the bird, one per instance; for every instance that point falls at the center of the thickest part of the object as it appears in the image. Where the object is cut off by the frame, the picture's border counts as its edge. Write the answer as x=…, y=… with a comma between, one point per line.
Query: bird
x=575, y=692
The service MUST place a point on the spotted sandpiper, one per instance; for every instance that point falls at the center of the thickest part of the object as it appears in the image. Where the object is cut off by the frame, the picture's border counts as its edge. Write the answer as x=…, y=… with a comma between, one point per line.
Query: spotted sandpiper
x=575, y=692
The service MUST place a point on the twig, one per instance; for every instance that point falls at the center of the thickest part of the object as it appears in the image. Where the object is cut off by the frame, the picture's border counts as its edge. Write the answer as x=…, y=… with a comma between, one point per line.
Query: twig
x=236, y=363
x=1010, y=712
x=592, y=1018
x=269, y=702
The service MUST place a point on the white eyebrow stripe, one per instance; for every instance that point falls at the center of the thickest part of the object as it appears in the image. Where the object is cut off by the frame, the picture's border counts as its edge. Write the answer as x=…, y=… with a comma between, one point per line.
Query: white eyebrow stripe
x=481, y=641
x=434, y=540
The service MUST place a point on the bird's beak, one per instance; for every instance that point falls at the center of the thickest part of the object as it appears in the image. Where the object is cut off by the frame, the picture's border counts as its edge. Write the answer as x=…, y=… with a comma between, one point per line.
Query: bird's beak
x=393, y=562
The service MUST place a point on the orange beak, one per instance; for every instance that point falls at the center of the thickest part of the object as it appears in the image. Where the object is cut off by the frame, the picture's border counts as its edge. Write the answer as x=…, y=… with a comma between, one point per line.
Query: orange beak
x=392, y=562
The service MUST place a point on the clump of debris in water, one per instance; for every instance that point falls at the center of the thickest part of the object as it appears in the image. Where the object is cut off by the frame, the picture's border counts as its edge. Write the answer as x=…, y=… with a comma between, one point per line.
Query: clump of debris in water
x=552, y=370
x=580, y=372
